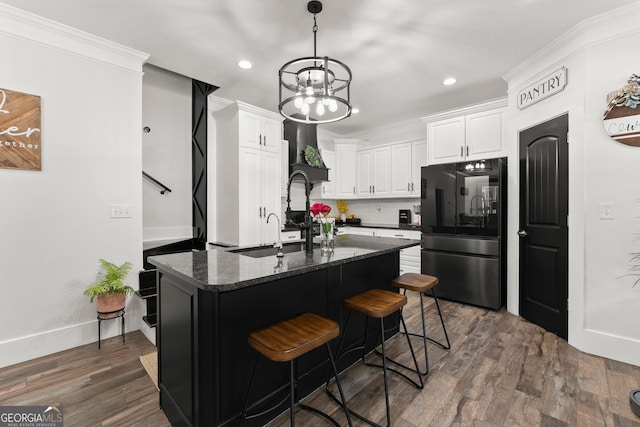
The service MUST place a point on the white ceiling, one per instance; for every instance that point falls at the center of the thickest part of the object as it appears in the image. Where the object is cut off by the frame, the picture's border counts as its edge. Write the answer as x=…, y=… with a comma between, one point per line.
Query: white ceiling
x=398, y=50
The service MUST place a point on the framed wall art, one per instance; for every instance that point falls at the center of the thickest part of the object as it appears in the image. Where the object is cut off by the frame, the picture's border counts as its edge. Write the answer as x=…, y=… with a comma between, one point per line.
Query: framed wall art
x=20, y=142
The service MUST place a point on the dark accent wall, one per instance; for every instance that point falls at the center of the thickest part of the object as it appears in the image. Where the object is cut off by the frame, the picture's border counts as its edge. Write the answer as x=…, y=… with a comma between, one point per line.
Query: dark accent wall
x=199, y=93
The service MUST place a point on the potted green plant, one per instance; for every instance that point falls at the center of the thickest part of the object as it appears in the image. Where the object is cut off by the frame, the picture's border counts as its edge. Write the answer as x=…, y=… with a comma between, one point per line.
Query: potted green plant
x=109, y=291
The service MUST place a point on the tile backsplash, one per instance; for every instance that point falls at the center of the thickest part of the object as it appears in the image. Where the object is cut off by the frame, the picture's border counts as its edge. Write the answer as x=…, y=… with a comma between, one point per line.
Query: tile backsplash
x=376, y=211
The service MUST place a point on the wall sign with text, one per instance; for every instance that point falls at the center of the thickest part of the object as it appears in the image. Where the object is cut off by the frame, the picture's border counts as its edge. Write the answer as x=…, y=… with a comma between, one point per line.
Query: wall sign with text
x=20, y=146
x=547, y=86
x=622, y=116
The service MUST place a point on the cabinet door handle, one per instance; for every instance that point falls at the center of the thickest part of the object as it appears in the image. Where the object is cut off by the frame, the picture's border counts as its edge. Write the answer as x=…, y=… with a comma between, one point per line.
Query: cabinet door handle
x=259, y=212
x=467, y=151
x=374, y=188
x=461, y=151
x=264, y=140
x=354, y=190
x=408, y=186
x=412, y=186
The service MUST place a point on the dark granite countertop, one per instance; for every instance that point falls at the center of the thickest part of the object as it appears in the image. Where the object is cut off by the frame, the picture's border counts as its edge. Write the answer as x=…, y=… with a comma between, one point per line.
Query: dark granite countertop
x=219, y=270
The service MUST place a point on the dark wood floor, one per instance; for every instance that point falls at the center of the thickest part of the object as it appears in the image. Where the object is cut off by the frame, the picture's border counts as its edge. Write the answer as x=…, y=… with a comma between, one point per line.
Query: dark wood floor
x=501, y=371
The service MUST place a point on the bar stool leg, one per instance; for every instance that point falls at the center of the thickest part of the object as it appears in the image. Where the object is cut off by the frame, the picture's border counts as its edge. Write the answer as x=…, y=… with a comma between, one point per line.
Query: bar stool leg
x=292, y=396
x=448, y=346
x=424, y=339
x=384, y=370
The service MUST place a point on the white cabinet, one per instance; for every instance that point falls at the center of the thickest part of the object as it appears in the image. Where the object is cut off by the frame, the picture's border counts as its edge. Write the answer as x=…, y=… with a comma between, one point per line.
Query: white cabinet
x=248, y=174
x=374, y=172
x=446, y=140
x=258, y=131
x=345, y=170
x=364, y=167
x=329, y=187
x=409, y=257
x=284, y=165
x=406, y=160
x=401, y=176
x=467, y=137
x=483, y=134
x=419, y=158
x=290, y=236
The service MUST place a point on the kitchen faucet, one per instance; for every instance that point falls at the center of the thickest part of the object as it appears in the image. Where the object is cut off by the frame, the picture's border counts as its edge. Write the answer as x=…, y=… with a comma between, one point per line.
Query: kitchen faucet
x=307, y=225
x=482, y=210
x=278, y=244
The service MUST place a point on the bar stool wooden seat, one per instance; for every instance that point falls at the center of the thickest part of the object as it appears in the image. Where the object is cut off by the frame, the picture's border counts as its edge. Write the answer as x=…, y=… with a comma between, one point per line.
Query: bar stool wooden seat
x=287, y=340
x=422, y=283
x=379, y=304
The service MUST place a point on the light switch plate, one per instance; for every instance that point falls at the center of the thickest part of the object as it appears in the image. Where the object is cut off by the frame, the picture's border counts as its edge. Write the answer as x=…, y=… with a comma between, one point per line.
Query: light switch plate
x=606, y=210
x=120, y=211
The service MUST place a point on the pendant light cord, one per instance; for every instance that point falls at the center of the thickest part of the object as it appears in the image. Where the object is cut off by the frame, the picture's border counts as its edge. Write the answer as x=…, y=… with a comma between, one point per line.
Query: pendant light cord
x=315, y=30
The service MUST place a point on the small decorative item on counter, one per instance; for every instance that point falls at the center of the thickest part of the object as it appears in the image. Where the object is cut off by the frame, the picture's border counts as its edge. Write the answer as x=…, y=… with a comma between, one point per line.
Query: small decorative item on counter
x=320, y=212
x=343, y=208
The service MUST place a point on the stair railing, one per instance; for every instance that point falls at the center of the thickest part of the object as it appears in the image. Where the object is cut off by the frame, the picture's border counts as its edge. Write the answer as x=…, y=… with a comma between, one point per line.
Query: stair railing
x=163, y=187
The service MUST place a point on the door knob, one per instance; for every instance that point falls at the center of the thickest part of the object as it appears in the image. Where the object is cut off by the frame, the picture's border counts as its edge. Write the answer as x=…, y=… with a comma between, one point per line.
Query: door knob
x=522, y=233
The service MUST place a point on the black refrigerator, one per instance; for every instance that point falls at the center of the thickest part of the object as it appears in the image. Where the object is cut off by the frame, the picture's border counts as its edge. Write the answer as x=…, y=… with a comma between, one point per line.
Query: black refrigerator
x=464, y=219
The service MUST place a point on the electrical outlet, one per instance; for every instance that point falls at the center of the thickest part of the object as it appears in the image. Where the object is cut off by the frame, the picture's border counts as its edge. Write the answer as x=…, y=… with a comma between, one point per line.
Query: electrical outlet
x=120, y=211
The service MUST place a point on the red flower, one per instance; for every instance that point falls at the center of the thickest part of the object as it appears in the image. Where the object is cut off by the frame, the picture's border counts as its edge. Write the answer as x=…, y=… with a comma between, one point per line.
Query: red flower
x=320, y=208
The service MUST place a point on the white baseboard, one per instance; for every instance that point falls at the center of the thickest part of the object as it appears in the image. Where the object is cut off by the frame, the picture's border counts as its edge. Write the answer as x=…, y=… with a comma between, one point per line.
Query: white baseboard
x=611, y=346
x=167, y=233
x=52, y=341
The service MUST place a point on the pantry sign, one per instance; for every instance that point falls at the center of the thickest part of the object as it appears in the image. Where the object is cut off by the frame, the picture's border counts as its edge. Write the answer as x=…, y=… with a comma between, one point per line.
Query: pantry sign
x=20, y=146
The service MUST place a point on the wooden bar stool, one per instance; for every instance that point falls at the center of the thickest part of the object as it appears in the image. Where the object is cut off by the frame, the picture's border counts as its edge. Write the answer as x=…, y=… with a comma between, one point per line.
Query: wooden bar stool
x=422, y=283
x=287, y=340
x=377, y=303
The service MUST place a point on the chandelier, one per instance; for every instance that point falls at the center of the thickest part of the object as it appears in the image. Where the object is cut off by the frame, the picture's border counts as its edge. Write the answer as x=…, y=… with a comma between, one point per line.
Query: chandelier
x=314, y=89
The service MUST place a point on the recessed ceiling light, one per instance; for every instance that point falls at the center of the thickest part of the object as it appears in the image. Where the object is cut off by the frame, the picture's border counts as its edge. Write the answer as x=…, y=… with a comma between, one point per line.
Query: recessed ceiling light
x=244, y=64
x=355, y=110
x=449, y=81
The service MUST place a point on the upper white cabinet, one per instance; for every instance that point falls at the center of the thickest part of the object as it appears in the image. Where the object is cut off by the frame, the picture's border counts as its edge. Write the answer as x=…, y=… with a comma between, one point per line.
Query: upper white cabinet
x=329, y=187
x=446, y=140
x=374, y=172
x=419, y=158
x=472, y=136
x=406, y=160
x=248, y=174
x=258, y=131
x=483, y=134
x=345, y=169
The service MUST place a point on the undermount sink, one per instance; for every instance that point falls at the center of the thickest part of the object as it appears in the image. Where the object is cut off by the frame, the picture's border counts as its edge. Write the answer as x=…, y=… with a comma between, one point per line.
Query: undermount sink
x=265, y=251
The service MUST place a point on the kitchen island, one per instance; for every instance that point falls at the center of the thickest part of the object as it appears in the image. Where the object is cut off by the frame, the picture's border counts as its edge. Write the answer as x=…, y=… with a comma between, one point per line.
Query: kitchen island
x=209, y=301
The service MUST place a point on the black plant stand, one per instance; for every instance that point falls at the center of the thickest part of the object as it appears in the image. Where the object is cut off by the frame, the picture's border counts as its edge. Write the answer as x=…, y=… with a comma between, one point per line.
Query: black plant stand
x=634, y=401
x=108, y=316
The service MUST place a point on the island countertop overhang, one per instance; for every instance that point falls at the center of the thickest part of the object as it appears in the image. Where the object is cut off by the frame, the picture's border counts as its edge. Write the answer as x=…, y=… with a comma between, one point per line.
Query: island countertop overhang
x=219, y=270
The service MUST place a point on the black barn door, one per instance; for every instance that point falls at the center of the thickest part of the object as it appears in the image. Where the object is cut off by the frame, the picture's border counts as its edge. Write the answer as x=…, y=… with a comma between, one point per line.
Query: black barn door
x=543, y=225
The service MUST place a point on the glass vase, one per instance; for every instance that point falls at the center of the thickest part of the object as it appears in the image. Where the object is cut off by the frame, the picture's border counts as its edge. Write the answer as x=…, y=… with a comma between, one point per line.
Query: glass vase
x=326, y=237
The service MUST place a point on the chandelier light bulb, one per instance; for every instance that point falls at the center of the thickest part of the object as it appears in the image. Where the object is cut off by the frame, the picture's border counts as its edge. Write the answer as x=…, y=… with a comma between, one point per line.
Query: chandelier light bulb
x=298, y=102
x=305, y=108
x=320, y=109
x=333, y=105
x=326, y=101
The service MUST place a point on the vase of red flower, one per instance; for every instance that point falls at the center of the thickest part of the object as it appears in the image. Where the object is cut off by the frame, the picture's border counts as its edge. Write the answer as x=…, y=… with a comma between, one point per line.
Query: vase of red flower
x=320, y=212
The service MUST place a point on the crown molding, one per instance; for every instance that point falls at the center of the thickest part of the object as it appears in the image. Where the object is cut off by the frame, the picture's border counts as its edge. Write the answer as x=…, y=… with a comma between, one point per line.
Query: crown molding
x=470, y=109
x=598, y=29
x=35, y=29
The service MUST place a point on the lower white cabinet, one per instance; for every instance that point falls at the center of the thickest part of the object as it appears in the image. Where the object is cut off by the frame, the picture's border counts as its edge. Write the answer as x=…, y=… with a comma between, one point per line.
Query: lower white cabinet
x=409, y=257
x=290, y=236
